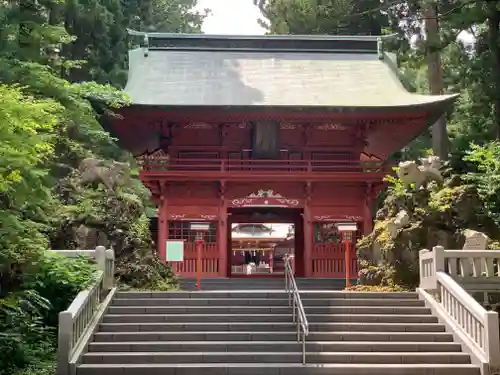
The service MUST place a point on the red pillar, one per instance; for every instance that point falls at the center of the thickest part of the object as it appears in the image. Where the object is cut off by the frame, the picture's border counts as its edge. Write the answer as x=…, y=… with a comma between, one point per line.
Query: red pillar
x=222, y=240
x=162, y=229
x=308, y=241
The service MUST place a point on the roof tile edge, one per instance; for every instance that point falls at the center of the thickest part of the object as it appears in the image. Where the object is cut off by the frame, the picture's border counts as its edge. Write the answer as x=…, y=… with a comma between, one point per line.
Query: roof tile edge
x=365, y=43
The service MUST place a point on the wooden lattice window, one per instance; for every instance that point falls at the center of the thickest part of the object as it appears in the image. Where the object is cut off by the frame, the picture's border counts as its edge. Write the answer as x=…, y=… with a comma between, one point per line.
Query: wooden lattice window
x=326, y=232
x=180, y=230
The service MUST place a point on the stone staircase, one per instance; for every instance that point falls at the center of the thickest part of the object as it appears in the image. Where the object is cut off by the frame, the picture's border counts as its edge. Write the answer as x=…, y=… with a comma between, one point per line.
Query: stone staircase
x=252, y=333
x=262, y=283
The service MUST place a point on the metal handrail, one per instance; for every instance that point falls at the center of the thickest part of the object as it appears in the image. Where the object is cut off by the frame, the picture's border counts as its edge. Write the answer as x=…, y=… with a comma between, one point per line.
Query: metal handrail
x=299, y=314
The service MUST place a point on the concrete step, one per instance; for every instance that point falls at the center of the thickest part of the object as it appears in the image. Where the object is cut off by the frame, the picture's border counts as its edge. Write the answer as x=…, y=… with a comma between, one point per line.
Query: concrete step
x=272, y=337
x=278, y=369
x=251, y=332
x=273, y=346
x=376, y=327
x=269, y=294
x=275, y=357
x=325, y=327
x=193, y=318
x=281, y=310
x=206, y=294
x=264, y=302
x=371, y=318
x=261, y=283
x=414, y=310
x=197, y=326
x=254, y=318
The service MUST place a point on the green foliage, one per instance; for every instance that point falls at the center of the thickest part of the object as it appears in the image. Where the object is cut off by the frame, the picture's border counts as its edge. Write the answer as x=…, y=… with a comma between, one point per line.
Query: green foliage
x=21, y=326
x=442, y=200
x=437, y=216
x=146, y=272
x=327, y=17
x=27, y=126
x=57, y=80
x=486, y=175
x=377, y=288
x=376, y=278
x=28, y=318
x=396, y=186
x=59, y=279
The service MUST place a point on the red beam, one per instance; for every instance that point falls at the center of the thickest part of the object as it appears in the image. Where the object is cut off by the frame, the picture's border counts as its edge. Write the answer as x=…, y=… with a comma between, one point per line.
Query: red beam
x=262, y=176
x=227, y=116
x=163, y=163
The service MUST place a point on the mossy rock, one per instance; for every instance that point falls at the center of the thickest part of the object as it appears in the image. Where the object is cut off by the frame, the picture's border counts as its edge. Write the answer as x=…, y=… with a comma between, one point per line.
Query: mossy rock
x=437, y=216
x=142, y=271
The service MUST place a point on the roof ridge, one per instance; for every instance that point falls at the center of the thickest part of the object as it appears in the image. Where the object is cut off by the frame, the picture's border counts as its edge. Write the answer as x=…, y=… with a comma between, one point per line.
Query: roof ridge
x=353, y=38
x=155, y=40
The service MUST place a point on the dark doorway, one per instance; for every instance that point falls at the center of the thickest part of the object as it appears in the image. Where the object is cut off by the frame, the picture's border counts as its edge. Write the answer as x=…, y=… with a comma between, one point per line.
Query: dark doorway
x=259, y=238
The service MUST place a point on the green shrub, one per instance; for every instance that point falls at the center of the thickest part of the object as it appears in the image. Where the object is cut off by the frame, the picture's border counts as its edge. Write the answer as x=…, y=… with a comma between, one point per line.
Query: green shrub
x=21, y=327
x=486, y=177
x=376, y=288
x=146, y=272
x=59, y=279
x=28, y=321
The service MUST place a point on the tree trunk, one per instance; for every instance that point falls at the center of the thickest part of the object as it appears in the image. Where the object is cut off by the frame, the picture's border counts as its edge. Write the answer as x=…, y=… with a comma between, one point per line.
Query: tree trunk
x=440, y=142
x=494, y=42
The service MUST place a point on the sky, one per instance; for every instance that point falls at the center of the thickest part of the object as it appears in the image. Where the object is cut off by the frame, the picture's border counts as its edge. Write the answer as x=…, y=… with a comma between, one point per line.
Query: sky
x=237, y=17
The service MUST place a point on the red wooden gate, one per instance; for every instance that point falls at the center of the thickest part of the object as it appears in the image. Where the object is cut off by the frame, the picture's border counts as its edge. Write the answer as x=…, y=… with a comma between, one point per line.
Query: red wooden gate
x=179, y=230
x=328, y=254
x=328, y=260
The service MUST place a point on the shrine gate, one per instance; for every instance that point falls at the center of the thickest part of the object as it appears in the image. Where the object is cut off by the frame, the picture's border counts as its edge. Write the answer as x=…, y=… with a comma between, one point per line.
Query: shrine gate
x=291, y=130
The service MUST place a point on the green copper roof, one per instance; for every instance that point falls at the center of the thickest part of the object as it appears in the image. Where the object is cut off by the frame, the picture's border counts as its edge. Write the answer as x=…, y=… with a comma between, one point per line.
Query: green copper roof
x=179, y=73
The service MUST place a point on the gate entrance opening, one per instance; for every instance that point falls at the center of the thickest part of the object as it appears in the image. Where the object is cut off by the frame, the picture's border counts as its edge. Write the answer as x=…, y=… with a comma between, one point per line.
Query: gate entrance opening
x=259, y=238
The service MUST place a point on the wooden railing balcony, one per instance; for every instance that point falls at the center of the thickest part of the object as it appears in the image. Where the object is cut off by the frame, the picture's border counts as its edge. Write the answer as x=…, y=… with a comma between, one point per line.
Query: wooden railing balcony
x=227, y=168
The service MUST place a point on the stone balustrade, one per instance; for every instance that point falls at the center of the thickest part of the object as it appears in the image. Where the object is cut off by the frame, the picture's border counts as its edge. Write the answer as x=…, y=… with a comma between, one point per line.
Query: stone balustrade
x=446, y=278
x=78, y=321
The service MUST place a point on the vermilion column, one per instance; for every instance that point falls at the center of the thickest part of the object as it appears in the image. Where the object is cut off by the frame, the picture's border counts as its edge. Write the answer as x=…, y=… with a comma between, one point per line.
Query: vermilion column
x=308, y=241
x=222, y=239
x=162, y=229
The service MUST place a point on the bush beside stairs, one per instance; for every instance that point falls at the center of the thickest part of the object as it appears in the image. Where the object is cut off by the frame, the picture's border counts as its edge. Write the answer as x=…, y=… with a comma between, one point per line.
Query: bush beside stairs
x=251, y=332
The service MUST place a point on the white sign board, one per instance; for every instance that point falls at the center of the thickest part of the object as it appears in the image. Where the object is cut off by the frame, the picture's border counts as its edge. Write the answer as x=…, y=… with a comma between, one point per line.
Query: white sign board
x=346, y=227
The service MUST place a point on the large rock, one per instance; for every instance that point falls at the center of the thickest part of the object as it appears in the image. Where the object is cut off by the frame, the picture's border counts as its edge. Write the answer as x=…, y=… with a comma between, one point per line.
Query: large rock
x=411, y=220
x=103, y=206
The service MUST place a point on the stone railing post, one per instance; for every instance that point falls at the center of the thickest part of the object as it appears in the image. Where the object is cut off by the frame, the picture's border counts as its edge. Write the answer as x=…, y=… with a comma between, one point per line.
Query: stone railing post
x=492, y=340
x=426, y=268
x=109, y=270
x=100, y=257
x=438, y=258
x=64, y=342
x=430, y=263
